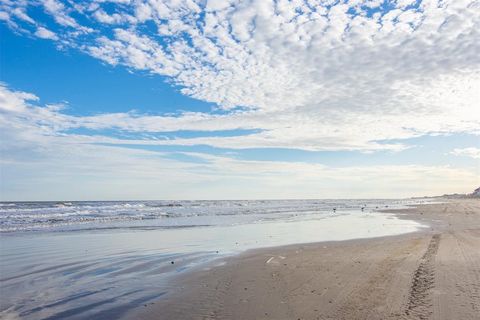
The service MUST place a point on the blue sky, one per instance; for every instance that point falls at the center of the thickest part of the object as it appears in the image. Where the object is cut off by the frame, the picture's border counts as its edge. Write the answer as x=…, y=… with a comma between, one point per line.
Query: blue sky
x=54, y=75
x=206, y=100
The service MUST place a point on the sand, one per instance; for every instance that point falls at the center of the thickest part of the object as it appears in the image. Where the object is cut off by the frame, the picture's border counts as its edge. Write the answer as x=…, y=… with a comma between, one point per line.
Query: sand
x=433, y=274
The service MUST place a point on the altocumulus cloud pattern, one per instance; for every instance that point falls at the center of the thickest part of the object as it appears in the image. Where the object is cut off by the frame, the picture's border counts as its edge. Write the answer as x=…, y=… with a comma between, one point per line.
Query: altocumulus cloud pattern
x=316, y=75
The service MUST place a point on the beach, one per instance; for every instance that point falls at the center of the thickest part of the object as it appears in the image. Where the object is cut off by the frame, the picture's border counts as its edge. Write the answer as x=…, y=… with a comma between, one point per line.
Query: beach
x=239, y=159
x=433, y=273
x=107, y=259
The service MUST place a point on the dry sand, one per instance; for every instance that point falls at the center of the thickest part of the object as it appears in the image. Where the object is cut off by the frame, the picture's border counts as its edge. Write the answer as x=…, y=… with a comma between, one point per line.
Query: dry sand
x=432, y=274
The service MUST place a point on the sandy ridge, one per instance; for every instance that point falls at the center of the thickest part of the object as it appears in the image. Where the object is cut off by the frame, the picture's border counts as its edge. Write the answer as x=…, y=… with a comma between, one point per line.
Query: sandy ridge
x=419, y=301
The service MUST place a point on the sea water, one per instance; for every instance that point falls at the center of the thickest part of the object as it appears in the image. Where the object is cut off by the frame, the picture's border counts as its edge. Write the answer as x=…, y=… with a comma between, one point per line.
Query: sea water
x=81, y=260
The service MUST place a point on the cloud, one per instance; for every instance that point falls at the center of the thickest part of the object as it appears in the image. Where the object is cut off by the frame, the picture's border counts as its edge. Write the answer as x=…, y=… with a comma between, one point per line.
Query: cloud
x=40, y=161
x=45, y=34
x=312, y=75
x=14, y=101
x=60, y=13
x=467, y=152
x=62, y=169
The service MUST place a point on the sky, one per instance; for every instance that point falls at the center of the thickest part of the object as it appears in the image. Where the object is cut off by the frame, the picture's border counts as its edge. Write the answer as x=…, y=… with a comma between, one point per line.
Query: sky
x=246, y=99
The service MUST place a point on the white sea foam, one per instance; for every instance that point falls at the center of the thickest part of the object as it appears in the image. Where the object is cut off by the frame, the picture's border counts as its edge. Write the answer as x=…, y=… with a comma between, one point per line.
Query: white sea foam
x=64, y=216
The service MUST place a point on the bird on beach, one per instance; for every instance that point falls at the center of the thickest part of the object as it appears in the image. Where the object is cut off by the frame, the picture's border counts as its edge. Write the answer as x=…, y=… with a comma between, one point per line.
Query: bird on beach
x=334, y=210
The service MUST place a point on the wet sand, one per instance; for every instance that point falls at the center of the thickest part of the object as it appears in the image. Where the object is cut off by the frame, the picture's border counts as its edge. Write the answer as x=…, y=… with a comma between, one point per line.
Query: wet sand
x=432, y=274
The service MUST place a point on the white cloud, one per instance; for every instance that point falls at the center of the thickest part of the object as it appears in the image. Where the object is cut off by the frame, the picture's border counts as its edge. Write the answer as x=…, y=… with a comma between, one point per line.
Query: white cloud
x=58, y=11
x=311, y=130
x=15, y=101
x=45, y=34
x=311, y=74
x=40, y=161
x=18, y=12
x=467, y=152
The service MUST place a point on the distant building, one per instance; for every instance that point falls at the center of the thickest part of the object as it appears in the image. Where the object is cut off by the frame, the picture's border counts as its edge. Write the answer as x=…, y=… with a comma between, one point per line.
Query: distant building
x=476, y=193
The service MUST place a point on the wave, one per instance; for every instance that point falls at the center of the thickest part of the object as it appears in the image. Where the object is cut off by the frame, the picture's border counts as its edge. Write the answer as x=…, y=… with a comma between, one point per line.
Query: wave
x=66, y=215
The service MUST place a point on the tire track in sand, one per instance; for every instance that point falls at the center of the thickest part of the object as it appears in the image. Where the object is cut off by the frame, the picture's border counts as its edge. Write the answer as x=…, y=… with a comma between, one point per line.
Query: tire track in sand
x=420, y=305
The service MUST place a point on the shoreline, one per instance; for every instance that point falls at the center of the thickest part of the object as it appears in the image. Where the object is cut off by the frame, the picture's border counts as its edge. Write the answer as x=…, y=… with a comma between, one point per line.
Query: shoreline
x=111, y=273
x=321, y=280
